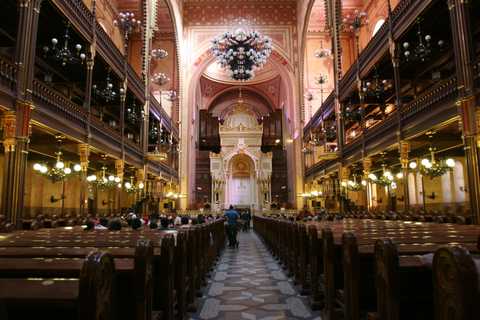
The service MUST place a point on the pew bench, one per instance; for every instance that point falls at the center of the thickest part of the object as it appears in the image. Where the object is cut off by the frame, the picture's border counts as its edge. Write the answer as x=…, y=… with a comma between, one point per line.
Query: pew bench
x=90, y=296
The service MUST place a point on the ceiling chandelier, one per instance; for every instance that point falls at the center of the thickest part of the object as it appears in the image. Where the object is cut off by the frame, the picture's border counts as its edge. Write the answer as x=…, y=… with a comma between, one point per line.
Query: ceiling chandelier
x=310, y=95
x=386, y=178
x=172, y=96
x=160, y=79
x=58, y=172
x=104, y=182
x=241, y=54
x=321, y=80
x=352, y=184
x=350, y=114
x=313, y=194
x=107, y=93
x=130, y=186
x=63, y=54
x=132, y=115
x=156, y=155
x=159, y=53
x=322, y=53
x=423, y=51
x=172, y=196
x=127, y=23
x=378, y=89
x=433, y=168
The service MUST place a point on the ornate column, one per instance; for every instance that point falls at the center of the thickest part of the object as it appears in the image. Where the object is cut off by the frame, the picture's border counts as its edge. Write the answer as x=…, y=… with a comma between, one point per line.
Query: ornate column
x=367, y=164
x=467, y=103
x=84, y=153
x=120, y=166
x=404, y=149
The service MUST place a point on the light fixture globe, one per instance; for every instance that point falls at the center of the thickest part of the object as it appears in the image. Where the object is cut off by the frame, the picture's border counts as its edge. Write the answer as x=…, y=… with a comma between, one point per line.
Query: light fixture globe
x=241, y=54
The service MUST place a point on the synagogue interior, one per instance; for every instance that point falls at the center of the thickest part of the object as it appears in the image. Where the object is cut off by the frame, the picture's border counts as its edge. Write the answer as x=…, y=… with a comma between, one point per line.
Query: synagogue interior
x=356, y=109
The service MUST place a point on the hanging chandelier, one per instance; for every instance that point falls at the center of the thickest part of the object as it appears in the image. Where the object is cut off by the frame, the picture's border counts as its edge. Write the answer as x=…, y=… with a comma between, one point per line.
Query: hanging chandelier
x=172, y=96
x=104, y=182
x=310, y=95
x=153, y=133
x=350, y=114
x=130, y=186
x=379, y=88
x=352, y=184
x=63, y=54
x=127, y=23
x=322, y=53
x=172, y=196
x=132, y=115
x=386, y=178
x=156, y=155
x=107, y=93
x=432, y=167
x=160, y=79
x=423, y=51
x=58, y=172
x=241, y=54
x=159, y=53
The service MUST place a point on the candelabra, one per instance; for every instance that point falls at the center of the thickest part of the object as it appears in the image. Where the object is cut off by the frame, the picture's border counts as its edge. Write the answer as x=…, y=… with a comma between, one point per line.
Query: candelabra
x=433, y=168
x=310, y=95
x=107, y=93
x=321, y=80
x=160, y=79
x=58, y=172
x=132, y=116
x=241, y=54
x=130, y=186
x=172, y=96
x=172, y=196
x=64, y=54
x=153, y=133
x=104, y=182
x=127, y=23
x=423, y=51
x=159, y=53
x=387, y=177
x=378, y=89
x=350, y=114
x=322, y=53
x=352, y=184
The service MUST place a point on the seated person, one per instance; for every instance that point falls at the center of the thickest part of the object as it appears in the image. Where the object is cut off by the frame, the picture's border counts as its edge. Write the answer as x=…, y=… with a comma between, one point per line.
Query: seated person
x=137, y=224
x=153, y=224
x=115, y=225
x=304, y=213
x=184, y=221
x=165, y=225
x=90, y=225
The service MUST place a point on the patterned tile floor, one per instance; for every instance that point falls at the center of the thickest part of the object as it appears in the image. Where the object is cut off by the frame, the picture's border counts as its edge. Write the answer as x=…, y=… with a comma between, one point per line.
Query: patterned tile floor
x=249, y=284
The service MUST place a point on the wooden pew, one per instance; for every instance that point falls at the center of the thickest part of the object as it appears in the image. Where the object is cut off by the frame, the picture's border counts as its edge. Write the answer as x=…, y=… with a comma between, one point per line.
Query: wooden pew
x=455, y=281
x=402, y=282
x=89, y=297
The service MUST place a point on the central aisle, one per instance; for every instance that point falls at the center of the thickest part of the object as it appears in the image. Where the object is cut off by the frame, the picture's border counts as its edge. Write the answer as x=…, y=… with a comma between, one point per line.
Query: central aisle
x=247, y=283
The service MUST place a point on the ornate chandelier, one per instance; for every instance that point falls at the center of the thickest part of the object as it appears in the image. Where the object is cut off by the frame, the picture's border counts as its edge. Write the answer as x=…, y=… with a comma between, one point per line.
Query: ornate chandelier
x=352, y=184
x=132, y=115
x=423, y=51
x=127, y=23
x=322, y=53
x=58, y=172
x=104, y=182
x=107, y=93
x=433, y=168
x=63, y=54
x=310, y=95
x=241, y=54
x=172, y=196
x=159, y=53
x=378, y=89
x=387, y=177
x=156, y=155
x=172, y=96
x=130, y=186
x=160, y=79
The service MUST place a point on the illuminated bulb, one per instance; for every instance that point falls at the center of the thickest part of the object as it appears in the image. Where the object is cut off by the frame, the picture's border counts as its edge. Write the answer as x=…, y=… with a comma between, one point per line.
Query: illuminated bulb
x=60, y=165
x=67, y=170
x=399, y=175
x=128, y=185
x=413, y=165
x=43, y=169
x=450, y=162
x=141, y=185
x=424, y=162
x=364, y=182
x=37, y=166
x=77, y=167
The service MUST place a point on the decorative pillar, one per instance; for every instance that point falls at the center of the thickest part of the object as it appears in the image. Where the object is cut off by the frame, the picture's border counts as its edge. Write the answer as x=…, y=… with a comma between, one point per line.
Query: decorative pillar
x=119, y=165
x=84, y=153
x=467, y=103
x=367, y=164
x=404, y=149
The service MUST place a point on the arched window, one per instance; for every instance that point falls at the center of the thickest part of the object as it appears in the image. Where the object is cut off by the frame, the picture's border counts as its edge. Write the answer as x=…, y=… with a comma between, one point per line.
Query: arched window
x=411, y=189
x=446, y=187
x=377, y=26
x=419, y=188
x=458, y=181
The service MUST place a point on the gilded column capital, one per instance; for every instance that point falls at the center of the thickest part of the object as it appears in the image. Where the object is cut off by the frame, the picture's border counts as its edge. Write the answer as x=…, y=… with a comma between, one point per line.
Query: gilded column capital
x=10, y=144
x=367, y=164
x=404, y=149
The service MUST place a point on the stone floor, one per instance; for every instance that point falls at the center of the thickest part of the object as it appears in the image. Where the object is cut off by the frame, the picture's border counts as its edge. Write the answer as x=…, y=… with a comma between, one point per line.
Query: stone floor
x=249, y=284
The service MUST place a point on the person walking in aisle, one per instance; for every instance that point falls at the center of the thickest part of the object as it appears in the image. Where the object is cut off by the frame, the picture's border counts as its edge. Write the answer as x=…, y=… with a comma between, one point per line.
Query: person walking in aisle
x=232, y=217
x=246, y=220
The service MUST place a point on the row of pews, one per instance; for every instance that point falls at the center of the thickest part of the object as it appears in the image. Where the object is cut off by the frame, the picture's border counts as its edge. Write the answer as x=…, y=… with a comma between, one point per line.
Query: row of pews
x=373, y=269
x=420, y=216
x=70, y=273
